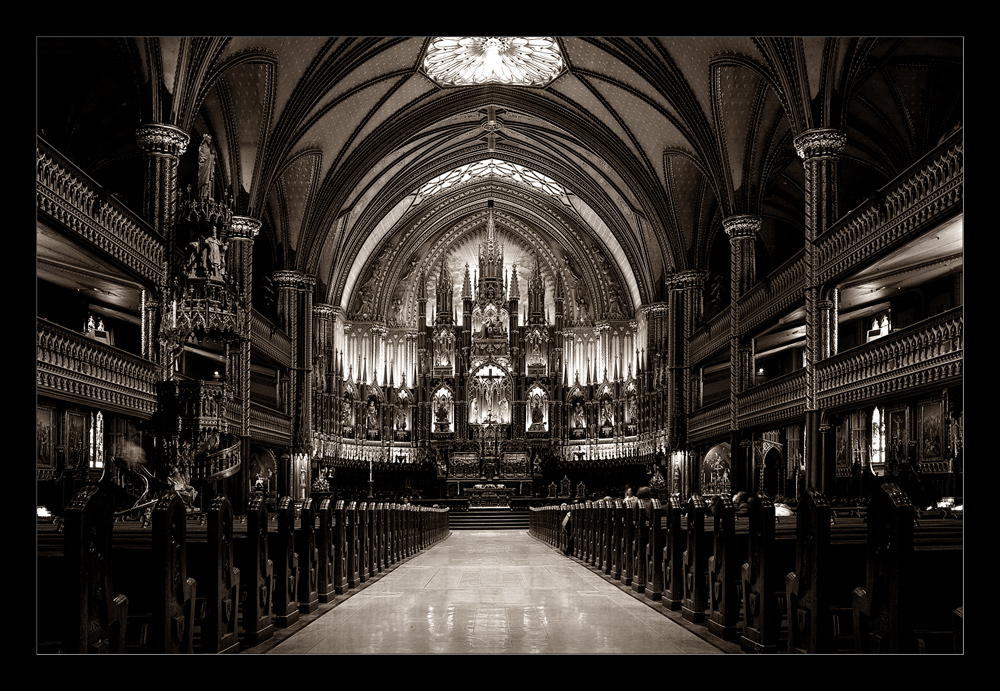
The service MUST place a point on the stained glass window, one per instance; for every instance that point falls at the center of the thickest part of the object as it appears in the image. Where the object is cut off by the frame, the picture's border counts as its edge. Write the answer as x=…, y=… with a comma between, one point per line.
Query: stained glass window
x=516, y=60
x=492, y=167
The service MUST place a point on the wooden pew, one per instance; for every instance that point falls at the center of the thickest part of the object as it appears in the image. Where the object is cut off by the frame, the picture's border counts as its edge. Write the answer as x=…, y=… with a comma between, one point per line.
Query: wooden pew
x=364, y=542
x=628, y=543
x=829, y=561
x=673, y=556
x=307, y=551
x=656, y=517
x=695, y=560
x=617, y=518
x=78, y=609
x=913, y=581
x=640, y=536
x=326, y=521
x=151, y=570
x=605, y=523
x=353, y=545
x=256, y=572
x=725, y=569
x=281, y=548
x=212, y=563
x=340, y=548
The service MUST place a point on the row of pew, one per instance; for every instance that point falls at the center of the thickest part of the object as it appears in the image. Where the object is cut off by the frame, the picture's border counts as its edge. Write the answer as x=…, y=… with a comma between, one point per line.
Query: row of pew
x=171, y=581
x=884, y=579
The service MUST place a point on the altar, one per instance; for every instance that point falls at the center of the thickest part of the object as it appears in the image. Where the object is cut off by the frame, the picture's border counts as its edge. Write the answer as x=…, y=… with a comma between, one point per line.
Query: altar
x=488, y=494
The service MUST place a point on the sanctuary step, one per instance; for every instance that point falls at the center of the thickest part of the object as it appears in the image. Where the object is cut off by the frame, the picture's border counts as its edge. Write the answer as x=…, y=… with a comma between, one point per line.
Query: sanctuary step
x=489, y=518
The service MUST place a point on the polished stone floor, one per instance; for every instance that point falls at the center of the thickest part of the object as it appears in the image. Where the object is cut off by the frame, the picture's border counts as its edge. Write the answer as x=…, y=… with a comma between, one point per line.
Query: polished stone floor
x=485, y=592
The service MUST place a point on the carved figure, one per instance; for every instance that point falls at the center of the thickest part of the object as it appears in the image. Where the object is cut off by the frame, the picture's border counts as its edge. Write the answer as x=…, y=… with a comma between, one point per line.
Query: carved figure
x=345, y=412
x=474, y=410
x=503, y=409
x=372, y=415
x=213, y=256
x=206, y=167
x=578, y=415
x=442, y=410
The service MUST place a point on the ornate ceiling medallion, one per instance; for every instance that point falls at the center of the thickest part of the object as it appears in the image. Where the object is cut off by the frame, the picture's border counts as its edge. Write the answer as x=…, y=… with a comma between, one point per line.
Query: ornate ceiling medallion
x=470, y=60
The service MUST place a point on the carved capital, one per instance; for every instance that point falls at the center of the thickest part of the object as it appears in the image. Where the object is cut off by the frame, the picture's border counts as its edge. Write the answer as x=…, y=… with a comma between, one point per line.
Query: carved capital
x=819, y=142
x=244, y=228
x=692, y=278
x=656, y=309
x=737, y=227
x=162, y=139
x=306, y=282
x=324, y=310
x=287, y=278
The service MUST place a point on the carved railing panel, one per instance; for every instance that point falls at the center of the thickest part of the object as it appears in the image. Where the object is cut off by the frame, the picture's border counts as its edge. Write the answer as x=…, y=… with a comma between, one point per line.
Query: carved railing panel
x=777, y=400
x=270, y=426
x=775, y=296
x=270, y=340
x=70, y=365
x=70, y=197
x=709, y=421
x=928, y=193
x=710, y=339
x=927, y=353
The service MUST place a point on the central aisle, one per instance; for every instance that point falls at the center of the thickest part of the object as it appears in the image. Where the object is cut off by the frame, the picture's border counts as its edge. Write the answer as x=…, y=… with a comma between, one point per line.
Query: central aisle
x=492, y=592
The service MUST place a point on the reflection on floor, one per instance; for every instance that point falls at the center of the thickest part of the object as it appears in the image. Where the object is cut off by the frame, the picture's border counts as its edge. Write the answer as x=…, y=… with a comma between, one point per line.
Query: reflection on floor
x=486, y=592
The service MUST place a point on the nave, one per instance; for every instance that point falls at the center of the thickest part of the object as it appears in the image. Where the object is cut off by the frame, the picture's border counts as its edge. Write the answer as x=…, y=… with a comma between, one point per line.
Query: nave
x=490, y=592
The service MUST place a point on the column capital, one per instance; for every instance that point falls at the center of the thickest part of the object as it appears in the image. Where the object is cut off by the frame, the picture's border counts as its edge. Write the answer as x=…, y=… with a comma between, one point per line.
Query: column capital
x=244, y=228
x=287, y=278
x=689, y=278
x=825, y=304
x=655, y=309
x=744, y=226
x=819, y=142
x=324, y=310
x=156, y=138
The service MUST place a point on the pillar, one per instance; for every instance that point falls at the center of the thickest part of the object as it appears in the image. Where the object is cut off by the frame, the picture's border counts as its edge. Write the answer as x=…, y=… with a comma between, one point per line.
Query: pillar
x=742, y=232
x=162, y=146
x=239, y=259
x=819, y=150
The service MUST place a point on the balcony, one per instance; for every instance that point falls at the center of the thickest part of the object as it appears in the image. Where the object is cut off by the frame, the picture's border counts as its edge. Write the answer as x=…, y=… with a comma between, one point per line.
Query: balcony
x=80, y=205
x=73, y=367
x=270, y=341
x=777, y=401
x=928, y=354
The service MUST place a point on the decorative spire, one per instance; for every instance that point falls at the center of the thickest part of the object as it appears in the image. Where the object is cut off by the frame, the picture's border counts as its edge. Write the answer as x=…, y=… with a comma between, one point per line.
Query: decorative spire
x=466, y=284
x=515, y=291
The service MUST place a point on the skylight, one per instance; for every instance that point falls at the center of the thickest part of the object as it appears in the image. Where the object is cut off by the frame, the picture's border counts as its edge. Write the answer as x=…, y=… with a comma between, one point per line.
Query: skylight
x=516, y=60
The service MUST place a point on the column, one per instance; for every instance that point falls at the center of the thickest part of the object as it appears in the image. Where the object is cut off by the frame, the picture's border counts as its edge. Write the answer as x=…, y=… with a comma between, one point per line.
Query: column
x=162, y=146
x=819, y=150
x=239, y=259
x=742, y=232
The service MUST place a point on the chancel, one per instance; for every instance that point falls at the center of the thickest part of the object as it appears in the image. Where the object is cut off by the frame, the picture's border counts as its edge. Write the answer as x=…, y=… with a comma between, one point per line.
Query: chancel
x=317, y=315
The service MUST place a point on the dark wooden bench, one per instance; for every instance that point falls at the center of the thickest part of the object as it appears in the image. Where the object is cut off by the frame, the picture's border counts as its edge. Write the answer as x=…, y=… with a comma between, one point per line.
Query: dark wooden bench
x=770, y=556
x=673, y=555
x=640, y=546
x=256, y=572
x=307, y=550
x=150, y=569
x=656, y=518
x=77, y=608
x=281, y=549
x=829, y=562
x=695, y=560
x=212, y=563
x=913, y=584
x=725, y=570
x=353, y=537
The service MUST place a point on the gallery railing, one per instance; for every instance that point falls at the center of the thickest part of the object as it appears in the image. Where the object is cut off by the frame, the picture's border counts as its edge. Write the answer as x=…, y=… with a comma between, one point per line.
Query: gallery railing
x=82, y=206
x=75, y=367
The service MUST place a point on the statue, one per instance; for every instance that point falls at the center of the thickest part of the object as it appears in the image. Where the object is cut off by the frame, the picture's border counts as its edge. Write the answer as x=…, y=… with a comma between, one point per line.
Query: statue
x=442, y=410
x=193, y=252
x=206, y=167
x=401, y=418
x=578, y=416
x=345, y=412
x=536, y=411
x=606, y=411
x=213, y=256
x=489, y=401
x=372, y=415
x=474, y=410
x=503, y=409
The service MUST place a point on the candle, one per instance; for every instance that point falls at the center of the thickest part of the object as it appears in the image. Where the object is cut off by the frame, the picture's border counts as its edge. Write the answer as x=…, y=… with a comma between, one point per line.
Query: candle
x=173, y=323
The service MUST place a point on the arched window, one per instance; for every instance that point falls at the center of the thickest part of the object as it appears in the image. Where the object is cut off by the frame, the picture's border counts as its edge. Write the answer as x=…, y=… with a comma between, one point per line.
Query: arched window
x=878, y=442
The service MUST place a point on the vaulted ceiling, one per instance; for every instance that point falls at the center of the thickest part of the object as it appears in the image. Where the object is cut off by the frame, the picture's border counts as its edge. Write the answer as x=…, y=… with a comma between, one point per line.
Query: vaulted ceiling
x=652, y=140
